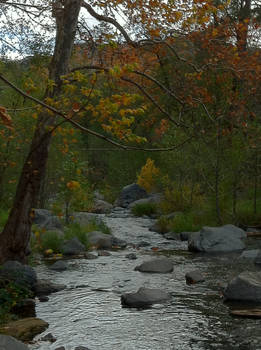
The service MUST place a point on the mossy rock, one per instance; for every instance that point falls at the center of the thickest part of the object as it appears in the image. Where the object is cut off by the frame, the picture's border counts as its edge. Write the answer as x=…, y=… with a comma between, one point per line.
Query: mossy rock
x=25, y=329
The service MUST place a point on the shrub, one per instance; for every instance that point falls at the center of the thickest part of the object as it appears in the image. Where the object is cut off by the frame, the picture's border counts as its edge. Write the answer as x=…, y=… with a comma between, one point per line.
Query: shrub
x=44, y=240
x=149, y=176
x=144, y=209
x=245, y=214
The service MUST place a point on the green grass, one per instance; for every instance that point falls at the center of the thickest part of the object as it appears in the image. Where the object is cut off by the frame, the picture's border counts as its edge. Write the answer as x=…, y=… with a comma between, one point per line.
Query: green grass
x=144, y=209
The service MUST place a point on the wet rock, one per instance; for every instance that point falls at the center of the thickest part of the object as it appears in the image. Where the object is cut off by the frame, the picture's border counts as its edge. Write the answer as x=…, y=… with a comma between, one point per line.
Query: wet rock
x=130, y=194
x=154, y=198
x=59, y=266
x=60, y=348
x=45, y=287
x=184, y=236
x=73, y=247
x=160, y=265
x=25, y=329
x=100, y=240
x=117, y=242
x=81, y=348
x=143, y=244
x=245, y=287
x=131, y=256
x=20, y=274
x=193, y=277
x=144, y=297
x=43, y=299
x=10, y=343
x=101, y=207
x=171, y=236
x=223, y=239
x=26, y=308
x=90, y=256
x=257, y=259
x=249, y=254
x=49, y=337
x=104, y=253
x=47, y=220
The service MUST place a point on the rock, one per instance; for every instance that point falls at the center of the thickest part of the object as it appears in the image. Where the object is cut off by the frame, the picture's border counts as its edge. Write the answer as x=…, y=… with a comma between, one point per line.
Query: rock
x=245, y=287
x=90, y=256
x=171, y=236
x=20, y=274
x=43, y=299
x=154, y=198
x=45, y=287
x=223, y=239
x=47, y=220
x=81, y=348
x=10, y=343
x=159, y=265
x=131, y=256
x=143, y=244
x=184, y=236
x=25, y=329
x=257, y=259
x=194, y=276
x=26, y=308
x=60, y=348
x=130, y=194
x=59, y=266
x=103, y=253
x=48, y=337
x=73, y=247
x=144, y=297
x=98, y=195
x=101, y=207
x=100, y=240
x=249, y=254
x=119, y=243
x=157, y=227
x=85, y=219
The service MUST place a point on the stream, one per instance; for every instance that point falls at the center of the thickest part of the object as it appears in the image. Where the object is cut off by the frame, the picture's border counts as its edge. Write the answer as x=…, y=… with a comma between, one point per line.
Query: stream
x=89, y=312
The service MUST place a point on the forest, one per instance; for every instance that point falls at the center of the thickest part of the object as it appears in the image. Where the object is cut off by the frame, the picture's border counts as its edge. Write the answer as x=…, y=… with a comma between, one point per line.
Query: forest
x=98, y=95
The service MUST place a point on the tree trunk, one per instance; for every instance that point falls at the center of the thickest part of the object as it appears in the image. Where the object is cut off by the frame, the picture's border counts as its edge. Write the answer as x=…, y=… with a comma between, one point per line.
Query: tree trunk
x=16, y=233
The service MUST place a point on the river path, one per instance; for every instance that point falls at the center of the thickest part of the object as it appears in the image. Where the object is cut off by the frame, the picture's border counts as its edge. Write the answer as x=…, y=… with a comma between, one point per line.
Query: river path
x=89, y=312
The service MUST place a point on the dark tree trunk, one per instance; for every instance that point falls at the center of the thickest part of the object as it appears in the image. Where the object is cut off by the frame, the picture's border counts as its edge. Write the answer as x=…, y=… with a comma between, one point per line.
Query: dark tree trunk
x=15, y=237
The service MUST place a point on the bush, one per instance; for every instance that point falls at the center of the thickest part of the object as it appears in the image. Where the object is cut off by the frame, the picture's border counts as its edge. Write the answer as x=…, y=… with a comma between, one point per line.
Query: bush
x=44, y=240
x=245, y=214
x=144, y=209
x=149, y=176
x=10, y=295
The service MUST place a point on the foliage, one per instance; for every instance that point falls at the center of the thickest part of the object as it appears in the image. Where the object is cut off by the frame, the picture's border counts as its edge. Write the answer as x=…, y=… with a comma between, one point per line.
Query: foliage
x=144, y=209
x=11, y=295
x=245, y=214
x=43, y=240
x=149, y=176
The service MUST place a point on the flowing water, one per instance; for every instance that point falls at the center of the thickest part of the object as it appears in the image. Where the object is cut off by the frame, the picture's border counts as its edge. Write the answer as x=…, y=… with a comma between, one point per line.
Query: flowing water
x=89, y=311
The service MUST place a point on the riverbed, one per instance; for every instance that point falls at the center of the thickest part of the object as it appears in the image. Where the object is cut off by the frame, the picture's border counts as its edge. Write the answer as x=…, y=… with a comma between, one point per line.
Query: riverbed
x=89, y=313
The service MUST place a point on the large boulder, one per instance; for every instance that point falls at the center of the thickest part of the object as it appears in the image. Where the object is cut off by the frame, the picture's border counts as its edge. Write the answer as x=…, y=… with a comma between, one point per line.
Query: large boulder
x=9, y=343
x=101, y=207
x=18, y=273
x=100, y=240
x=73, y=247
x=25, y=329
x=130, y=194
x=159, y=265
x=154, y=198
x=59, y=266
x=222, y=239
x=245, y=287
x=144, y=297
x=47, y=220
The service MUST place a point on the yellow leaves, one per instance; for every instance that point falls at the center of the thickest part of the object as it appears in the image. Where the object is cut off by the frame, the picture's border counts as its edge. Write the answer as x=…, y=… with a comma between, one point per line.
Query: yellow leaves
x=148, y=176
x=5, y=117
x=73, y=185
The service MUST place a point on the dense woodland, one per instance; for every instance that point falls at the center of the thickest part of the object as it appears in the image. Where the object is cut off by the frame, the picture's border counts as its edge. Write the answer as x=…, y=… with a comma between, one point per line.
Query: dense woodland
x=166, y=93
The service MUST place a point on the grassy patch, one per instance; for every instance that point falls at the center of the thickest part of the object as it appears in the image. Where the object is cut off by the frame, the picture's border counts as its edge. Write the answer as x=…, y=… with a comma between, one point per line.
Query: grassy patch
x=144, y=209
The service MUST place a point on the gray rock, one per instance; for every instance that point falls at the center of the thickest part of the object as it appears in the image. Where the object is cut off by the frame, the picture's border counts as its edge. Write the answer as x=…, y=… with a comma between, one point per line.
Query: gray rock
x=249, y=254
x=101, y=207
x=10, y=343
x=130, y=194
x=245, y=287
x=98, y=195
x=144, y=297
x=45, y=287
x=60, y=348
x=100, y=240
x=81, y=348
x=47, y=220
x=184, y=236
x=48, y=337
x=194, y=276
x=90, y=256
x=104, y=253
x=43, y=299
x=117, y=242
x=143, y=244
x=257, y=259
x=155, y=198
x=18, y=273
x=59, y=266
x=131, y=256
x=73, y=247
x=172, y=236
x=159, y=265
x=84, y=219
x=222, y=239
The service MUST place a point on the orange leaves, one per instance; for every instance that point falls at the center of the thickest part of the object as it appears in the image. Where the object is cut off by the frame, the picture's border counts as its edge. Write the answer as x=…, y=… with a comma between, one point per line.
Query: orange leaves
x=5, y=117
x=73, y=185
